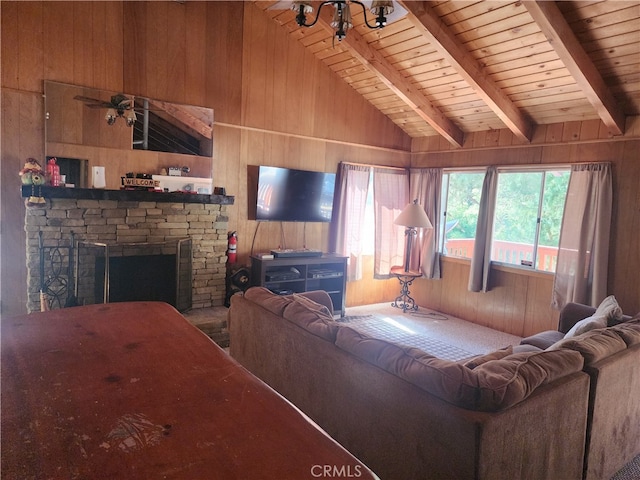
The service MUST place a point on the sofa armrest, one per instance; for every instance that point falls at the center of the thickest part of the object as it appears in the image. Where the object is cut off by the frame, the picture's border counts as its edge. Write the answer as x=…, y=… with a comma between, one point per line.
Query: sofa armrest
x=571, y=314
x=319, y=296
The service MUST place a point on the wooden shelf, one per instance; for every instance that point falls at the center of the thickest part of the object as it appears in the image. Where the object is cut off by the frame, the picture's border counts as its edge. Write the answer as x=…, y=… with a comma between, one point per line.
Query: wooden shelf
x=303, y=274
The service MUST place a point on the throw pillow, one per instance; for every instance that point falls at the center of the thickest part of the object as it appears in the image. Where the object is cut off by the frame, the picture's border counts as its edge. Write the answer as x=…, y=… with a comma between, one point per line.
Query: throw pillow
x=480, y=359
x=589, y=323
x=607, y=310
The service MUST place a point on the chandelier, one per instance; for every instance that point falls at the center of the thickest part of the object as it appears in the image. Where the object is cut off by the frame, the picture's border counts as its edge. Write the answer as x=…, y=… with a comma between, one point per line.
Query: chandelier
x=122, y=107
x=342, y=15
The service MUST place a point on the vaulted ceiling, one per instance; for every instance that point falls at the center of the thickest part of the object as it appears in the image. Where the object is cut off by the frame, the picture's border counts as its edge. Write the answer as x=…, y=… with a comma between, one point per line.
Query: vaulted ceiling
x=452, y=67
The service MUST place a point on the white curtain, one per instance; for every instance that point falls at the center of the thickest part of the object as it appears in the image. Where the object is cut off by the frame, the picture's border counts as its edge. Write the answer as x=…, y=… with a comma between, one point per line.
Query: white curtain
x=348, y=217
x=426, y=187
x=583, y=254
x=481, y=260
x=390, y=196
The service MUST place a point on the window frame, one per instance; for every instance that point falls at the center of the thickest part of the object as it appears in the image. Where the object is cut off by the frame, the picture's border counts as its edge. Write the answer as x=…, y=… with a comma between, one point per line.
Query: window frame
x=544, y=169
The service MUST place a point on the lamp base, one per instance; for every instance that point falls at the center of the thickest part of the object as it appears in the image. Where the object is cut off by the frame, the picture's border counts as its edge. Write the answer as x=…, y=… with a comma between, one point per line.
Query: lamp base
x=404, y=300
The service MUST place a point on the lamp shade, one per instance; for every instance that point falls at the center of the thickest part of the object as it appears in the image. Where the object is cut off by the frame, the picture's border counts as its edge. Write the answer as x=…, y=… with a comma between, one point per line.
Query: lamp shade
x=413, y=215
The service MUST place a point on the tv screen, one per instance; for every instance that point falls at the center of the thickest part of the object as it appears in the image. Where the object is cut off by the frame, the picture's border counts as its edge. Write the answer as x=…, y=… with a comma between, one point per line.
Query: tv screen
x=290, y=195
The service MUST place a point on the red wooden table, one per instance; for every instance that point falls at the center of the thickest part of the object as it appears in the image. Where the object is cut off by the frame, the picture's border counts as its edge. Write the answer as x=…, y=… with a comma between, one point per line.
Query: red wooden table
x=133, y=391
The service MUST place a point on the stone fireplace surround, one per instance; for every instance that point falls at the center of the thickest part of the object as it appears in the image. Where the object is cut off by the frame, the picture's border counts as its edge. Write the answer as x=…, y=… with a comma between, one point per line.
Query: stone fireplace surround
x=122, y=216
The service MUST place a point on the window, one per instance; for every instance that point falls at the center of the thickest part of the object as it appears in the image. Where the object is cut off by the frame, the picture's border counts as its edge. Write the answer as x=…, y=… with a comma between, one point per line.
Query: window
x=461, y=201
x=528, y=215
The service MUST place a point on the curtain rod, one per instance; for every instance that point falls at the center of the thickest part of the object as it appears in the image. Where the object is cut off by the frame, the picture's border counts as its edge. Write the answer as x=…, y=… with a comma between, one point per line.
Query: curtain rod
x=374, y=166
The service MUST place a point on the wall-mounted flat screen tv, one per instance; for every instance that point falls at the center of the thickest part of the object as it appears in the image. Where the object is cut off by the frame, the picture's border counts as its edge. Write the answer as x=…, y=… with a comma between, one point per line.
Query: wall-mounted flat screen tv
x=289, y=195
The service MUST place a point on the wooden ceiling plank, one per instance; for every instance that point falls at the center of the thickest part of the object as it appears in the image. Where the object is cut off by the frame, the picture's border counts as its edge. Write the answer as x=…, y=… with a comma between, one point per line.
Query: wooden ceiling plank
x=562, y=39
x=445, y=41
x=379, y=65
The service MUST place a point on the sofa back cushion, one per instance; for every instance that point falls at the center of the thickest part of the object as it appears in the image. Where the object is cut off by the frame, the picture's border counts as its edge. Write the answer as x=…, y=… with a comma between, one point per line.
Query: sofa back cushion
x=268, y=300
x=601, y=343
x=305, y=313
x=491, y=386
x=312, y=318
x=629, y=331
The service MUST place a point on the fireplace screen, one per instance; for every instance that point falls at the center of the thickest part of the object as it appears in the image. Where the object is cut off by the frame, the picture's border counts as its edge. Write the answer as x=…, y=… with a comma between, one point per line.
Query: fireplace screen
x=135, y=272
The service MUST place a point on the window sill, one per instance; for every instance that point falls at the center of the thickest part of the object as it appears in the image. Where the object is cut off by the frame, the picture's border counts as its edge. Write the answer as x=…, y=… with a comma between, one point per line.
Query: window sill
x=502, y=267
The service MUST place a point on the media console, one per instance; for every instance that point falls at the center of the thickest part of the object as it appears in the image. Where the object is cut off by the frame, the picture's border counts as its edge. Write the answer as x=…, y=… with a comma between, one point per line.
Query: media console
x=285, y=275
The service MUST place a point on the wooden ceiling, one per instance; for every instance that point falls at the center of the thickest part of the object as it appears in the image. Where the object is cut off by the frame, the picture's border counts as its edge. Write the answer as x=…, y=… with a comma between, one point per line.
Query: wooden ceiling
x=452, y=67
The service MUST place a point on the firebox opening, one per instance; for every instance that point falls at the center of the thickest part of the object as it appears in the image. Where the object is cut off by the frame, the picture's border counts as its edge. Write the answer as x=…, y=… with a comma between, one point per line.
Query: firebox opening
x=138, y=278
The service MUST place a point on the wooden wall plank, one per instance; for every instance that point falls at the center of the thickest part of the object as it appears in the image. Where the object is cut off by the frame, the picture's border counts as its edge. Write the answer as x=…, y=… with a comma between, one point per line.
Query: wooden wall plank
x=10, y=39
x=22, y=135
x=30, y=49
x=58, y=41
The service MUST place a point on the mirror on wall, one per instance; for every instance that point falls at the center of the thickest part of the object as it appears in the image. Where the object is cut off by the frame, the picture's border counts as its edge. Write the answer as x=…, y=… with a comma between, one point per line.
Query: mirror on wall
x=98, y=118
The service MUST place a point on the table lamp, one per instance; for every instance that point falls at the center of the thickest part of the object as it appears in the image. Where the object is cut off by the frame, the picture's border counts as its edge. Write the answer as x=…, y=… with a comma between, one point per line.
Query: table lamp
x=413, y=217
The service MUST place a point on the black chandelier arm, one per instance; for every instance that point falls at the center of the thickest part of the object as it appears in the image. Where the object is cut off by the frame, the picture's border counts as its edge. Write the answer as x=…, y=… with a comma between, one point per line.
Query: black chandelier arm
x=381, y=20
x=301, y=18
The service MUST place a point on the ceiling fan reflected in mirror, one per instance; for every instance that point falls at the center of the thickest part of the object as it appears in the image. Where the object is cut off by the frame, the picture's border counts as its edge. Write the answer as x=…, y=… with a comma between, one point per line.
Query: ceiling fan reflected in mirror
x=119, y=106
x=383, y=11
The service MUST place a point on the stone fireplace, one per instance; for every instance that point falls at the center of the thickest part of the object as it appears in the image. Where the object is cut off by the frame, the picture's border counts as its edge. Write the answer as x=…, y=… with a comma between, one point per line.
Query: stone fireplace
x=121, y=219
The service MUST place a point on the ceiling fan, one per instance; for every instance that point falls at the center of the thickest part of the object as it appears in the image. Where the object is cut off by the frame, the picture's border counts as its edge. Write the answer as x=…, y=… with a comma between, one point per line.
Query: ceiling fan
x=384, y=11
x=119, y=106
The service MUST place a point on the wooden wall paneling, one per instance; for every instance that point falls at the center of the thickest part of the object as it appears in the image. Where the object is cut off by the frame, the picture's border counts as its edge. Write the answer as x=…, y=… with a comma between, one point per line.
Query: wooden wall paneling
x=225, y=60
x=135, y=70
x=538, y=314
x=369, y=291
x=58, y=41
x=22, y=134
x=571, y=131
x=29, y=54
x=9, y=29
x=195, y=54
x=510, y=308
x=110, y=45
x=155, y=25
x=83, y=46
x=177, y=50
x=624, y=259
x=257, y=72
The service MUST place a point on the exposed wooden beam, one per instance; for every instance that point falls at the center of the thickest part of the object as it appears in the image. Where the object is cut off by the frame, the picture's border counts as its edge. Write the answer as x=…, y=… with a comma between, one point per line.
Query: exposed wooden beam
x=388, y=75
x=187, y=115
x=554, y=26
x=446, y=43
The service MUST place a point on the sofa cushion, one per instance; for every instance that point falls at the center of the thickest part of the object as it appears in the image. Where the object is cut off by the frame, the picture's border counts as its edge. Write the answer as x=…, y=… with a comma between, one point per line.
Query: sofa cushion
x=312, y=305
x=491, y=386
x=267, y=299
x=628, y=331
x=312, y=317
x=593, y=345
x=543, y=340
x=480, y=359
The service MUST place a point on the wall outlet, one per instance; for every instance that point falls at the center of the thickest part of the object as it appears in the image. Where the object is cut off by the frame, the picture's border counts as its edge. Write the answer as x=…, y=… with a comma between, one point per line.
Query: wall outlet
x=98, y=179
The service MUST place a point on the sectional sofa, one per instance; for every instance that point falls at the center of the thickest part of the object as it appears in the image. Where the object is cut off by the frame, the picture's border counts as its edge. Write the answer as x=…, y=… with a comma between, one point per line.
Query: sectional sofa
x=568, y=410
x=612, y=361
x=408, y=415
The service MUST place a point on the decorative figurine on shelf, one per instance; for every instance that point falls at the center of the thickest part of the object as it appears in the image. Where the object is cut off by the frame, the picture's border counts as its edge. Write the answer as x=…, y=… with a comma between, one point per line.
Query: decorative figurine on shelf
x=53, y=172
x=33, y=174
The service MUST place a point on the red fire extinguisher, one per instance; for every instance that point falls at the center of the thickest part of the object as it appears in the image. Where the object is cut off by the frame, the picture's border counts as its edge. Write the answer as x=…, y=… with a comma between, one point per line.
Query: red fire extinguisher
x=232, y=247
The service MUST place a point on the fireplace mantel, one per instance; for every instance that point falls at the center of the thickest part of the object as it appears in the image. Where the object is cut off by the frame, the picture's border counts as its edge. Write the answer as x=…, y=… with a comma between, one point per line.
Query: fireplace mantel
x=126, y=195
